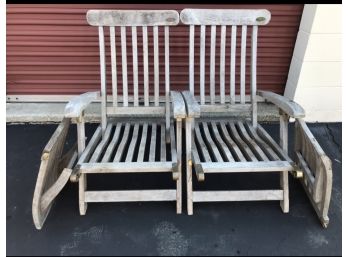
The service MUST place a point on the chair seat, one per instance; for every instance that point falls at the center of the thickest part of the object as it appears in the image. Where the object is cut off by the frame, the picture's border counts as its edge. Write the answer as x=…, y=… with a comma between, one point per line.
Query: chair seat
x=131, y=142
x=236, y=146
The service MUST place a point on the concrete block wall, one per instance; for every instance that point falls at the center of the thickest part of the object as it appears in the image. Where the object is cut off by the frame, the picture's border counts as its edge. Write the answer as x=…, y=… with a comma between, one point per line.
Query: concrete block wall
x=314, y=79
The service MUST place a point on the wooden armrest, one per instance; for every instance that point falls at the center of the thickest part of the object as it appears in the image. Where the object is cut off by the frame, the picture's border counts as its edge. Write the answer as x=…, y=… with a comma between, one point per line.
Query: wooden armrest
x=285, y=104
x=76, y=105
x=178, y=104
x=193, y=109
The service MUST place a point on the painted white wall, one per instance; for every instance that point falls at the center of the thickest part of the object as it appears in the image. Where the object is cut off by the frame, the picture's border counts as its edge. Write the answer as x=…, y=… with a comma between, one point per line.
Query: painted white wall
x=314, y=79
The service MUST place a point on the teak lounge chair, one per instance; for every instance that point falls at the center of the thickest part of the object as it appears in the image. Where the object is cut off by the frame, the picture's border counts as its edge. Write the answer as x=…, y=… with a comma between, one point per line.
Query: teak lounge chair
x=137, y=134
x=219, y=143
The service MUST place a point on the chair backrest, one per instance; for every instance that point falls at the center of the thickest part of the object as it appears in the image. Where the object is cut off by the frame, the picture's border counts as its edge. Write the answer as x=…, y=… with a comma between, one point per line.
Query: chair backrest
x=119, y=21
x=229, y=21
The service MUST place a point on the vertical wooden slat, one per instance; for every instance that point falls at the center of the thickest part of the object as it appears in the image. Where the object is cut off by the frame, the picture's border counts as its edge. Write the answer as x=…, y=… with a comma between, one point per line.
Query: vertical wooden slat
x=122, y=145
x=211, y=144
x=284, y=177
x=152, y=155
x=131, y=147
x=102, y=144
x=242, y=64
x=253, y=75
x=156, y=67
x=146, y=67
x=163, y=144
x=135, y=65
x=189, y=188
x=113, y=65
x=142, y=144
x=233, y=65
x=191, y=59
x=179, y=159
x=212, y=64
x=124, y=65
x=222, y=64
x=102, y=77
x=167, y=76
x=231, y=143
x=82, y=190
x=81, y=138
x=113, y=143
x=202, y=65
x=225, y=151
x=201, y=144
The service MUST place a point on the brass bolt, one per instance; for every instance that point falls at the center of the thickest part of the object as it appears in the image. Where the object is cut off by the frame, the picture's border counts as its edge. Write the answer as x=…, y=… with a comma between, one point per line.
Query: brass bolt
x=298, y=174
x=190, y=162
x=45, y=156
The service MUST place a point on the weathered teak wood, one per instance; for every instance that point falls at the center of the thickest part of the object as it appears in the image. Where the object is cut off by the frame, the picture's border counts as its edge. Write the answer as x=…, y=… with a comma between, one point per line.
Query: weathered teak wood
x=223, y=145
x=51, y=178
x=131, y=196
x=220, y=23
x=218, y=140
x=225, y=17
x=145, y=141
x=317, y=170
x=249, y=195
x=132, y=17
x=286, y=105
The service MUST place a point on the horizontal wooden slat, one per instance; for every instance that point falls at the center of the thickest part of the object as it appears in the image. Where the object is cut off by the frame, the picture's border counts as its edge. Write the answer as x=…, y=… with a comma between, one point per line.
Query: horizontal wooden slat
x=233, y=167
x=130, y=196
x=141, y=110
x=126, y=167
x=250, y=195
x=232, y=108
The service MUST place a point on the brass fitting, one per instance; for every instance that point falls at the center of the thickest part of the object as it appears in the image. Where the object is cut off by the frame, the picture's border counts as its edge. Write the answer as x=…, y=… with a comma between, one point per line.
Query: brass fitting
x=45, y=156
x=297, y=174
x=190, y=163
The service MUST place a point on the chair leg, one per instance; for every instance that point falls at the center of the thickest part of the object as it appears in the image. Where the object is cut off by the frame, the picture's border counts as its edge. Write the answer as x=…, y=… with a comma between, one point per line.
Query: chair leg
x=284, y=176
x=188, y=132
x=82, y=189
x=179, y=154
x=284, y=184
x=179, y=194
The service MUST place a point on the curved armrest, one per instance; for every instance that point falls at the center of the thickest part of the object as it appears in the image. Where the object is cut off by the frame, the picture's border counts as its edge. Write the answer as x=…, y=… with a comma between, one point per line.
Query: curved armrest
x=285, y=104
x=178, y=105
x=193, y=109
x=76, y=105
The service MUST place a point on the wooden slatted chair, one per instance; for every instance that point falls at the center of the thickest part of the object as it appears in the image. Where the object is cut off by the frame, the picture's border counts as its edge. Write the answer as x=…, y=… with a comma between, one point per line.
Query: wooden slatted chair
x=222, y=133
x=136, y=134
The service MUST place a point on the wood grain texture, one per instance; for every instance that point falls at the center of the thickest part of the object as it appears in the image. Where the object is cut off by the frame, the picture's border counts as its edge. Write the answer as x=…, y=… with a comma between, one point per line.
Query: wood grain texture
x=192, y=106
x=247, y=195
x=317, y=170
x=288, y=106
x=225, y=16
x=178, y=105
x=51, y=178
x=131, y=196
x=132, y=17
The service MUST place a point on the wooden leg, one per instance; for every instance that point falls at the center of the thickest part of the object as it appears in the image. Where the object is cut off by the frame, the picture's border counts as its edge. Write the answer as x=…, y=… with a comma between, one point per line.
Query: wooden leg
x=179, y=154
x=284, y=184
x=188, y=132
x=284, y=176
x=82, y=189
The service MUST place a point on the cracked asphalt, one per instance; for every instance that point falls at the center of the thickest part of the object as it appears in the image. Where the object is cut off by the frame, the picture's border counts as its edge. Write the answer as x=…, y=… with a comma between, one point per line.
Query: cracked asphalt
x=233, y=228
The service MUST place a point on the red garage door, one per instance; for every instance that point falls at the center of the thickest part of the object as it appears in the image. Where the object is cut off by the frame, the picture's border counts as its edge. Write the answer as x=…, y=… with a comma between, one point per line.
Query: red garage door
x=51, y=50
